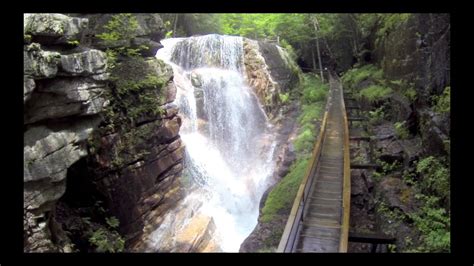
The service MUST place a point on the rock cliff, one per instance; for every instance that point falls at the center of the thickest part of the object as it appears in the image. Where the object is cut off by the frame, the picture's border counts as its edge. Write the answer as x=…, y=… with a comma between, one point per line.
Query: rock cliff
x=90, y=128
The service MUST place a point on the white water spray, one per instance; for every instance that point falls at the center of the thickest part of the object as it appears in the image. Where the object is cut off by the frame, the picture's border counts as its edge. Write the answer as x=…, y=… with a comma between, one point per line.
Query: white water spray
x=229, y=144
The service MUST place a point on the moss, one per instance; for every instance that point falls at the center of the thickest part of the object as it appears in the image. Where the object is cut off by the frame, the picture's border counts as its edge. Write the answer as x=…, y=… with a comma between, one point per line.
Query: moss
x=313, y=96
x=27, y=38
x=282, y=196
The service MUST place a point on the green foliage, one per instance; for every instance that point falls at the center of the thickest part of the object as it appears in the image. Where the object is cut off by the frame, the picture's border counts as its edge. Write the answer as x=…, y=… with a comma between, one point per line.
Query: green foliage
x=447, y=146
x=26, y=38
x=305, y=139
x=112, y=222
x=394, y=215
x=435, y=177
x=389, y=22
x=313, y=96
x=433, y=219
x=106, y=241
x=375, y=93
x=73, y=42
x=283, y=194
x=313, y=89
x=284, y=97
x=443, y=102
x=401, y=130
x=355, y=76
x=189, y=24
x=434, y=223
x=376, y=116
x=121, y=26
x=410, y=93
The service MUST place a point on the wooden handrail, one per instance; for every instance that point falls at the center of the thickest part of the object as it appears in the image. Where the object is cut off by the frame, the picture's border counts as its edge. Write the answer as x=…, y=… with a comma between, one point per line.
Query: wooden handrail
x=346, y=197
x=291, y=227
x=296, y=213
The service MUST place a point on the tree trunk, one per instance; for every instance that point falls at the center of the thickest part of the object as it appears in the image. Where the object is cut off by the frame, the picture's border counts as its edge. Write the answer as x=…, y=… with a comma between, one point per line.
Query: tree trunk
x=314, y=59
x=317, y=46
x=175, y=25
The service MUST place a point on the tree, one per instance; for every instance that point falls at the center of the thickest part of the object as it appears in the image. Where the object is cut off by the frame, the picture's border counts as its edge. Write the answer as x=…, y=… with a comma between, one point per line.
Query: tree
x=316, y=29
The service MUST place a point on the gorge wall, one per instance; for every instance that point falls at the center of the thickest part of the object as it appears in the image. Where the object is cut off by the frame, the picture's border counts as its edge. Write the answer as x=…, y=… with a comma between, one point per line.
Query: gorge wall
x=102, y=151
x=126, y=159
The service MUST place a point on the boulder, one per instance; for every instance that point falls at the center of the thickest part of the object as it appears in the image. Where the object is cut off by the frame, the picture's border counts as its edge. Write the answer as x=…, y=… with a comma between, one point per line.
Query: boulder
x=196, y=80
x=150, y=24
x=434, y=131
x=57, y=28
x=152, y=46
x=158, y=67
x=397, y=194
x=89, y=62
x=39, y=64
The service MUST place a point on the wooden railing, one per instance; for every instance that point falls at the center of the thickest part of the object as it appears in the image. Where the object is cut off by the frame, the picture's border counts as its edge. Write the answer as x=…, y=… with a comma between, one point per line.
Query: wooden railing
x=296, y=215
x=346, y=196
x=290, y=232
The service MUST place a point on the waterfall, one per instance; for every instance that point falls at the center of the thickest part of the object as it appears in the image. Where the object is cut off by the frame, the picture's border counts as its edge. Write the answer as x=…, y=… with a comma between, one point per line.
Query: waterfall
x=229, y=142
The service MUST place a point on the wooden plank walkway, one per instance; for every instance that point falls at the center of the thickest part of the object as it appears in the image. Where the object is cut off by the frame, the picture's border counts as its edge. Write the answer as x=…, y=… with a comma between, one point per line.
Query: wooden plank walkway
x=323, y=222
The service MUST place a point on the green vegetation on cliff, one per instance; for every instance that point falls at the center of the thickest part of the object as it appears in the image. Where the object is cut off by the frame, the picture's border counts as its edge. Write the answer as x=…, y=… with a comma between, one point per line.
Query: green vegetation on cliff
x=312, y=96
x=136, y=91
x=427, y=213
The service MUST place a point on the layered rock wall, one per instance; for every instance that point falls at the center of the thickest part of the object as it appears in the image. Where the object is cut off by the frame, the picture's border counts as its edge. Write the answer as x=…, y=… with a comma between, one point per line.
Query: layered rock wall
x=69, y=99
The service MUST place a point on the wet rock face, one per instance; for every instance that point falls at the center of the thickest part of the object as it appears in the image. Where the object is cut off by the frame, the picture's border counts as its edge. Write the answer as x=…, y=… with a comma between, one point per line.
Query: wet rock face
x=435, y=130
x=279, y=65
x=405, y=51
x=397, y=194
x=66, y=91
x=268, y=72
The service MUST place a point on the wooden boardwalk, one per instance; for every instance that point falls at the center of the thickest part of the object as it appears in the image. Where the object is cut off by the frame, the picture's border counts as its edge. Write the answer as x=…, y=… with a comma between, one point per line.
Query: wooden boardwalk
x=319, y=219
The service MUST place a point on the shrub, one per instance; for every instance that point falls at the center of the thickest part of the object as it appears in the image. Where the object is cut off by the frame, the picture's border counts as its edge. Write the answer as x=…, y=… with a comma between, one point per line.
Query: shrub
x=401, y=130
x=410, y=93
x=356, y=75
x=434, y=223
x=443, y=102
x=122, y=26
x=377, y=115
x=112, y=222
x=435, y=177
x=375, y=93
x=313, y=89
x=106, y=241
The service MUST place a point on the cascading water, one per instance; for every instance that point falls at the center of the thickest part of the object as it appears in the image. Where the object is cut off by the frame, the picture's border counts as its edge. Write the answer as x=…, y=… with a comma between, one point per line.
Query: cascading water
x=229, y=143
